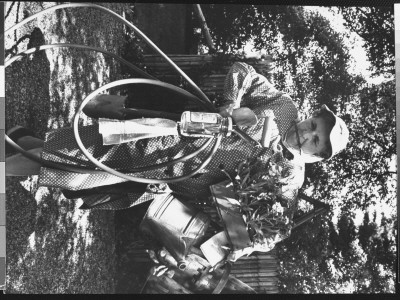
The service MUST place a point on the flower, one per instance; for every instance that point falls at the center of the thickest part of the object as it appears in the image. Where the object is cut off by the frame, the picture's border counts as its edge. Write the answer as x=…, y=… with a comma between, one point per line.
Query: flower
x=277, y=208
x=258, y=188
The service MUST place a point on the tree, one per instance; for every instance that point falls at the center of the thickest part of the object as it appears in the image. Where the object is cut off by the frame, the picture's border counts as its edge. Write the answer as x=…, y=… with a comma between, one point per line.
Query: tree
x=313, y=62
x=303, y=258
x=302, y=43
x=321, y=257
x=378, y=244
x=376, y=26
x=364, y=168
x=231, y=26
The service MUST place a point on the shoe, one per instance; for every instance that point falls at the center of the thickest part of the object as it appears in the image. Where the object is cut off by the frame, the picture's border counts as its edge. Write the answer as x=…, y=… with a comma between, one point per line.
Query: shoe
x=106, y=106
x=84, y=206
x=15, y=134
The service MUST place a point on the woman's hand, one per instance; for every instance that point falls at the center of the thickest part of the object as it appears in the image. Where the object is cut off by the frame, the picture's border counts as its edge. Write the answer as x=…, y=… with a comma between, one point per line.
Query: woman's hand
x=226, y=110
x=159, y=269
x=242, y=116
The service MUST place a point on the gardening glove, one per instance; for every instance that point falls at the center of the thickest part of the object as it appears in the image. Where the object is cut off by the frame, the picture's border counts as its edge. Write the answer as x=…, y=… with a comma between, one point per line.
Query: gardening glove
x=266, y=246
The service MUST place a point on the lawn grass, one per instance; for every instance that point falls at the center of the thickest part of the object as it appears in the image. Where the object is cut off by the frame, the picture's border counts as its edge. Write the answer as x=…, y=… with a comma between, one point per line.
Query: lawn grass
x=52, y=246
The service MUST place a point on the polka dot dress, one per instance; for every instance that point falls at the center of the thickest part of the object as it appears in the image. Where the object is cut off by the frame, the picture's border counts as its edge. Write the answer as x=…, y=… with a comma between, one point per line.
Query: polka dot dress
x=243, y=88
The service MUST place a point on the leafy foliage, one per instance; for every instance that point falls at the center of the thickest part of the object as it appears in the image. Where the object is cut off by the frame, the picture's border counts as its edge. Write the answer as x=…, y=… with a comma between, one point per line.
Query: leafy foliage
x=376, y=26
x=365, y=167
x=258, y=187
x=52, y=246
x=313, y=65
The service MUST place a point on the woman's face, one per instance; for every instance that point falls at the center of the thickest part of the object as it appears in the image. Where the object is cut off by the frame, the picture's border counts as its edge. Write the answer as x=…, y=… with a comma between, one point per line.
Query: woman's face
x=313, y=134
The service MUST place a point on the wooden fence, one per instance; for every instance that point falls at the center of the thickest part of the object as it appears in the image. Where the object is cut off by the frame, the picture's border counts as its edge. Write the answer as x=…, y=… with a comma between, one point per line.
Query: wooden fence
x=205, y=70
x=159, y=65
x=259, y=270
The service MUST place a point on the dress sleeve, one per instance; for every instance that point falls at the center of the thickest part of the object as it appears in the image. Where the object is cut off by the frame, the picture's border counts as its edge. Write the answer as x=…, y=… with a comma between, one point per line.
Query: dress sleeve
x=243, y=81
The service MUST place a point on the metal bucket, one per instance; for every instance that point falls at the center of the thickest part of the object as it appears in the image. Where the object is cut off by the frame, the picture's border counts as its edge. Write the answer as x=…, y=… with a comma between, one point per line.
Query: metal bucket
x=176, y=225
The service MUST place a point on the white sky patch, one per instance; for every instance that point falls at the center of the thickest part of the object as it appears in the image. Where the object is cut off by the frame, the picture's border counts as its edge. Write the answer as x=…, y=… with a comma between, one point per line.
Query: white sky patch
x=32, y=242
x=249, y=50
x=360, y=252
x=357, y=52
x=359, y=218
x=335, y=217
x=393, y=164
x=387, y=210
x=359, y=63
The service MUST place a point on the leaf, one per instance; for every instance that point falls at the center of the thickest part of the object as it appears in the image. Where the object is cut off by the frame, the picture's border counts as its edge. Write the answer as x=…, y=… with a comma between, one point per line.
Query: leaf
x=254, y=214
x=245, y=179
x=246, y=208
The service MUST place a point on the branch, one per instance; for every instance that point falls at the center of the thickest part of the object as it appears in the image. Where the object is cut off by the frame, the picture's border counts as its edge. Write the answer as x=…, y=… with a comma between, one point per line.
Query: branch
x=368, y=173
x=384, y=21
x=371, y=139
x=14, y=48
x=388, y=173
x=369, y=178
x=9, y=10
x=203, y=23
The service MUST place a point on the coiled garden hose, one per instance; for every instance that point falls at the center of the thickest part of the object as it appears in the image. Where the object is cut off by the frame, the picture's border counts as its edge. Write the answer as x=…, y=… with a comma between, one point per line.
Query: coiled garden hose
x=116, y=16
x=204, y=101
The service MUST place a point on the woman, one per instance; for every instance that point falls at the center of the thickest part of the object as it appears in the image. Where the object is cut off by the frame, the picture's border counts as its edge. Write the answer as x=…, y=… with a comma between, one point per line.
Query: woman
x=314, y=139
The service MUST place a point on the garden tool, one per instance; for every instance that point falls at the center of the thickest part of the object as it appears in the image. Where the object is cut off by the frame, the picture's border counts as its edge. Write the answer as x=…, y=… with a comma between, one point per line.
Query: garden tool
x=115, y=107
x=180, y=228
x=117, y=131
x=192, y=124
x=196, y=278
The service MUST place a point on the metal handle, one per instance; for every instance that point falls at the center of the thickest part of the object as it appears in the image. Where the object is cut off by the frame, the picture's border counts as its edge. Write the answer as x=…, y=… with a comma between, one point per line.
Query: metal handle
x=224, y=279
x=266, y=133
x=244, y=136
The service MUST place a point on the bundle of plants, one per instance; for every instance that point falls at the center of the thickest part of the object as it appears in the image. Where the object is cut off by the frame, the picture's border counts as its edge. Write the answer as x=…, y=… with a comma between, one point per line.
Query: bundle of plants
x=258, y=188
